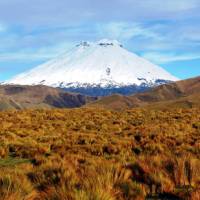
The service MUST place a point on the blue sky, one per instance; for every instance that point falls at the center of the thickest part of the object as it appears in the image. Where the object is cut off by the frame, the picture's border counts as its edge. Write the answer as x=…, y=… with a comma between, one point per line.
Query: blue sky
x=165, y=32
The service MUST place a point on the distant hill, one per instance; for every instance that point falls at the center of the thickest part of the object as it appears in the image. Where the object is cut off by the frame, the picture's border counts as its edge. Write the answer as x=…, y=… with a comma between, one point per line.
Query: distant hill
x=184, y=93
x=20, y=97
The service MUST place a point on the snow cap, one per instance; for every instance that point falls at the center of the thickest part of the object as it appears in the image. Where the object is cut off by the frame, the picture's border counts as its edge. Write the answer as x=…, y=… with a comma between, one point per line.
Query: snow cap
x=107, y=42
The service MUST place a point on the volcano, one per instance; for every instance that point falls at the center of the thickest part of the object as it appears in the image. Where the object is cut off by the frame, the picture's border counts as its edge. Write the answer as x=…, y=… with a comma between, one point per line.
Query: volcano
x=98, y=69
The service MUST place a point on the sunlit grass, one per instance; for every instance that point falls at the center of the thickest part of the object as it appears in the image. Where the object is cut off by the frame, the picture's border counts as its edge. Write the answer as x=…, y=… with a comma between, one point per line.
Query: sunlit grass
x=92, y=154
x=10, y=162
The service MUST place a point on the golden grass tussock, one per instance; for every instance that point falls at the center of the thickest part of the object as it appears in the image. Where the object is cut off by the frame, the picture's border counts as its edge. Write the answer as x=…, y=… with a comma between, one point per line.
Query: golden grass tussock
x=97, y=154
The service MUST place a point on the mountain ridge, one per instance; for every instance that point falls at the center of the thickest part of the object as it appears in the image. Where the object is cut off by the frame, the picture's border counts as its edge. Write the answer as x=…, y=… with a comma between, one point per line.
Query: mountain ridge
x=183, y=93
x=23, y=97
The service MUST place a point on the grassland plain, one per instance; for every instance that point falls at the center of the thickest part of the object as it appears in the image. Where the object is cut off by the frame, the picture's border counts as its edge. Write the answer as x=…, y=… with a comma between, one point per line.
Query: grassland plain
x=99, y=154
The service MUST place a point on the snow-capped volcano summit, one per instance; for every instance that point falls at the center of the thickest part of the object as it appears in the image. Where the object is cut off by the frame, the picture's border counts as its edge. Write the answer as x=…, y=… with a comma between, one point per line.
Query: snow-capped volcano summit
x=103, y=64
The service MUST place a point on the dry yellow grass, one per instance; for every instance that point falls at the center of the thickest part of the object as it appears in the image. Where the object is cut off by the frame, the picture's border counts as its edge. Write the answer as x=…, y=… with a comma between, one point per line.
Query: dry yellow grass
x=97, y=154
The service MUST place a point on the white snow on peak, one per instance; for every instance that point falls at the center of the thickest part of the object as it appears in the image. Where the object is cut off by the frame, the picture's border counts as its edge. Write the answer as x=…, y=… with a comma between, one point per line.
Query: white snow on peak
x=103, y=42
x=102, y=63
x=106, y=42
x=84, y=44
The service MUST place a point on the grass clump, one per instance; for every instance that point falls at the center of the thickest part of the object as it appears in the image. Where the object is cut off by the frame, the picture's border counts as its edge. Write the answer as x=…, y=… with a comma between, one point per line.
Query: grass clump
x=92, y=153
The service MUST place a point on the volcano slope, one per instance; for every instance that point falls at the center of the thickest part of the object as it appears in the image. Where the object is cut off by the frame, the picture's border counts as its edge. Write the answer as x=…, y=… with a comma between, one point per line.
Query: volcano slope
x=93, y=153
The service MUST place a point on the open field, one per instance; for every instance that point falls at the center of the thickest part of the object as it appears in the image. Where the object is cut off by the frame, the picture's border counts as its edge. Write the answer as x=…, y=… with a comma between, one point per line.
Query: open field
x=96, y=154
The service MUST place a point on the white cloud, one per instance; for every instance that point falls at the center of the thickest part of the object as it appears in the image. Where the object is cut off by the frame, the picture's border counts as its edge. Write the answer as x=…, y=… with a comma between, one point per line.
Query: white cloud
x=3, y=28
x=17, y=56
x=125, y=31
x=44, y=53
x=171, y=5
x=190, y=33
x=161, y=58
